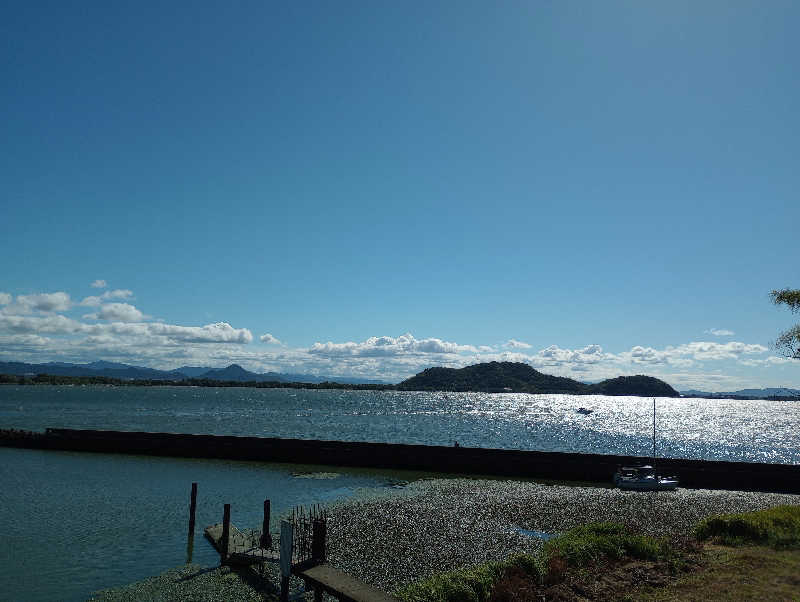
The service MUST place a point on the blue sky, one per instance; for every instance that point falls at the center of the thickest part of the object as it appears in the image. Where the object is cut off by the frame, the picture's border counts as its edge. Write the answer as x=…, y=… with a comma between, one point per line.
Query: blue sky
x=594, y=188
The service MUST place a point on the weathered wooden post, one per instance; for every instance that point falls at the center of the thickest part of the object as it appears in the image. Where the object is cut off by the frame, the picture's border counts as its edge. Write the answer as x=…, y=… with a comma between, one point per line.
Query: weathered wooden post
x=318, y=536
x=189, y=548
x=192, y=508
x=287, y=543
x=192, y=511
x=319, y=531
x=226, y=533
x=266, y=537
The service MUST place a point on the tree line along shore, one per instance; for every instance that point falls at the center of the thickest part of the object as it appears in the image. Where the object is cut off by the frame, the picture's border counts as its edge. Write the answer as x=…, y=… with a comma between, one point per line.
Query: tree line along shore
x=491, y=377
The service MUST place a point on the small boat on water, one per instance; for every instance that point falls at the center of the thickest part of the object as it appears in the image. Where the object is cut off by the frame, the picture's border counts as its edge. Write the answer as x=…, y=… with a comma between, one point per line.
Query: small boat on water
x=643, y=478
x=584, y=411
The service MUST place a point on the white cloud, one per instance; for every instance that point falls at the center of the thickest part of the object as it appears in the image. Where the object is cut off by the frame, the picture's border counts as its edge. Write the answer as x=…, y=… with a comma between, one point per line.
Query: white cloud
x=32, y=328
x=389, y=346
x=24, y=341
x=647, y=355
x=773, y=360
x=220, y=332
x=41, y=302
x=554, y=355
x=704, y=381
x=121, y=312
x=702, y=350
x=688, y=353
x=97, y=300
x=405, y=355
x=99, y=284
x=56, y=324
x=141, y=334
x=720, y=332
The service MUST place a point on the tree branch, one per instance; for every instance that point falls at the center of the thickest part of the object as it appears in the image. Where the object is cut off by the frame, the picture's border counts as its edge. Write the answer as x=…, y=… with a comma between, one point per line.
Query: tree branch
x=788, y=343
x=787, y=296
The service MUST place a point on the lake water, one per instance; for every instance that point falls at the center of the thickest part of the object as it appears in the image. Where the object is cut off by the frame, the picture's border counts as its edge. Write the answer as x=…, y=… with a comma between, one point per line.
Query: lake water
x=720, y=429
x=74, y=523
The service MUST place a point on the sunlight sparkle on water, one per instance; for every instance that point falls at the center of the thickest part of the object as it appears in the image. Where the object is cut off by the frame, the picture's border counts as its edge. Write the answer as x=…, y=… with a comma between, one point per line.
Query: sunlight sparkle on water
x=742, y=430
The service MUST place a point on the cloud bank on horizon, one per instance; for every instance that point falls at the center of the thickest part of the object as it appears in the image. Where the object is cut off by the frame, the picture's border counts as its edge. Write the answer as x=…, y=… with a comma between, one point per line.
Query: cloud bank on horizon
x=38, y=328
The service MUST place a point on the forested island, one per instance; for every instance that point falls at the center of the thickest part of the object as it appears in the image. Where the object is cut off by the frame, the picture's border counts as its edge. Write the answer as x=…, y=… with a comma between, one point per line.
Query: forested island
x=491, y=377
x=494, y=377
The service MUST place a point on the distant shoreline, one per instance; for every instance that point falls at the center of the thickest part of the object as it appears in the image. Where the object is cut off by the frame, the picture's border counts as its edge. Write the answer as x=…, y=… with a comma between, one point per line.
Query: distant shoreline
x=49, y=379
x=489, y=377
x=54, y=380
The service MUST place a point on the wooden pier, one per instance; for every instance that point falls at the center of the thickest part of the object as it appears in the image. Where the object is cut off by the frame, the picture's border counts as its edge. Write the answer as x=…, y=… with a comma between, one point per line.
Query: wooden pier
x=341, y=585
x=243, y=549
x=301, y=553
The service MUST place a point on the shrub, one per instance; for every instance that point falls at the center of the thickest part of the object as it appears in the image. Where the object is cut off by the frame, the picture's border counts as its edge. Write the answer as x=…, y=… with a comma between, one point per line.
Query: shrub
x=577, y=547
x=597, y=541
x=468, y=585
x=778, y=527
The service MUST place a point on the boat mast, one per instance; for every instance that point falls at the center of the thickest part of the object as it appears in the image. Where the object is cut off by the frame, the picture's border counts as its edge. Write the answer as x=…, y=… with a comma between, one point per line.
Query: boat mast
x=654, y=431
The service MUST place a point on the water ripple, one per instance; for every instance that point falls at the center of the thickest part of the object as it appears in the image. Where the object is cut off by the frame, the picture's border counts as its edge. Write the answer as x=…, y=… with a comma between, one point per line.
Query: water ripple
x=722, y=429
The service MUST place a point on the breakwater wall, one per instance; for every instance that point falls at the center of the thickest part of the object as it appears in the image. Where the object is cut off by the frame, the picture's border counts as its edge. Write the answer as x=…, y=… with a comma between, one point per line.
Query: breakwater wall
x=598, y=468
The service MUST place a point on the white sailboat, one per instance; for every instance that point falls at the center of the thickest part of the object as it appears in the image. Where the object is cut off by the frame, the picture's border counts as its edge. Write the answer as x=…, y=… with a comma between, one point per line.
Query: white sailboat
x=643, y=477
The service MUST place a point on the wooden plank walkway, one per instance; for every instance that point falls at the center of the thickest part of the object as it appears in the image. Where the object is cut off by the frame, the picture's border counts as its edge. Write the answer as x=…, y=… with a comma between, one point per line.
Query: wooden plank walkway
x=242, y=549
x=341, y=585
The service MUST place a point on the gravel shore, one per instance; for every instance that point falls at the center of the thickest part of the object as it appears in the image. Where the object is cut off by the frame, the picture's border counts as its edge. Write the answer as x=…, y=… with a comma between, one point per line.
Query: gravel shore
x=435, y=525
x=189, y=582
x=443, y=524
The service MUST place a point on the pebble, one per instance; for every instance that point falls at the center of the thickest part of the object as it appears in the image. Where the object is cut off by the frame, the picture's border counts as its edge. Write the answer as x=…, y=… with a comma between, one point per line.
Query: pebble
x=403, y=535
x=442, y=524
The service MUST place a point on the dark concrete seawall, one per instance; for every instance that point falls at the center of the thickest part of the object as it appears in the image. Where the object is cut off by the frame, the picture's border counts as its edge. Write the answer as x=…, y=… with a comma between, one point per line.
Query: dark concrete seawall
x=467, y=460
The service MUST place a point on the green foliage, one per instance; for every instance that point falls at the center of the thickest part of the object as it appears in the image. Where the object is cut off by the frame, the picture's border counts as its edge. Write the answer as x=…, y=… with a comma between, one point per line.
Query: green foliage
x=646, y=386
x=534, y=566
x=491, y=377
x=778, y=527
x=519, y=377
x=578, y=548
x=788, y=342
x=594, y=542
x=787, y=297
x=468, y=585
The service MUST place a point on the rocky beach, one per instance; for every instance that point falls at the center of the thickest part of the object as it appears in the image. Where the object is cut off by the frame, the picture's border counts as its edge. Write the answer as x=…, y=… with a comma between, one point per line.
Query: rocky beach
x=434, y=525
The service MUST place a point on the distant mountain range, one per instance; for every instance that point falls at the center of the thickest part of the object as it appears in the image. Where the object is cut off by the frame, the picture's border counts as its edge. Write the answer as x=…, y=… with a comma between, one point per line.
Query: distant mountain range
x=491, y=377
x=522, y=378
x=752, y=393
x=234, y=372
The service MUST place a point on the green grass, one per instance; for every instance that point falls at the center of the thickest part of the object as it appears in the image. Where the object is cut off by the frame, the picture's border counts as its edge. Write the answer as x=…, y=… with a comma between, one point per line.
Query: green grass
x=588, y=545
x=591, y=543
x=778, y=527
x=470, y=585
x=577, y=548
